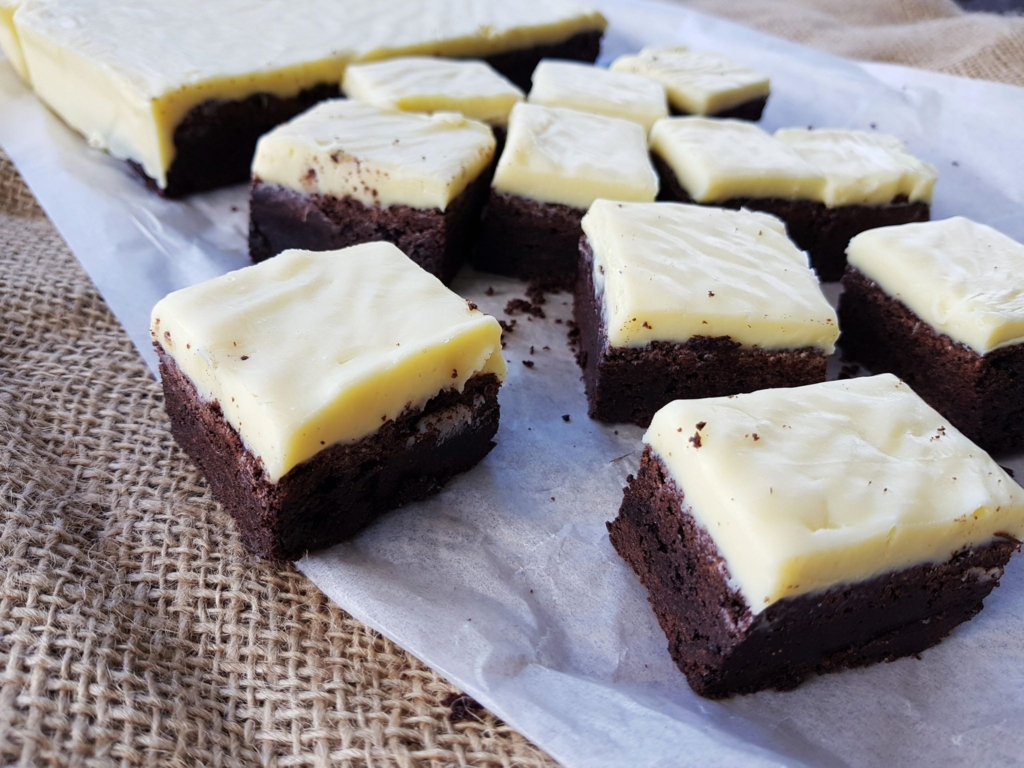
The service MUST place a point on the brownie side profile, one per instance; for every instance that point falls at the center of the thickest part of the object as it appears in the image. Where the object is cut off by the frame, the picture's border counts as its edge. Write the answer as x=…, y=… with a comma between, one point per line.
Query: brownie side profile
x=281, y=218
x=981, y=395
x=821, y=231
x=748, y=110
x=725, y=649
x=630, y=385
x=530, y=240
x=344, y=487
x=518, y=66
x=215, y=142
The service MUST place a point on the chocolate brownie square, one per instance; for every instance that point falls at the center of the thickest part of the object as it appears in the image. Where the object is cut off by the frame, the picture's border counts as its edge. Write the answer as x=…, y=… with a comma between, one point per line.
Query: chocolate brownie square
x=316, y=391
x=681, y=301
x=794, y=531
x=827, y=185
x=555, y=164
x=939, y=305
x=347, y=172
x=701, y=82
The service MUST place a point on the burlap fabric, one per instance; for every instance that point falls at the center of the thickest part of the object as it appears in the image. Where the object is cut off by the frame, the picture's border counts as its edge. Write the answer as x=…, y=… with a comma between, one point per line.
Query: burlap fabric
x=134, y=630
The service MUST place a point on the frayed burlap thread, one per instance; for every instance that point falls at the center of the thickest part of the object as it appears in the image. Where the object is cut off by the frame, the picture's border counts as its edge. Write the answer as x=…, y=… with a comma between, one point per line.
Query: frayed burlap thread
x=134, y=628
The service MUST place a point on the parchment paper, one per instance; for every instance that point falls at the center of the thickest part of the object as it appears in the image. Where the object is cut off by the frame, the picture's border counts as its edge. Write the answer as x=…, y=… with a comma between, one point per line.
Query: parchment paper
x=506, y=583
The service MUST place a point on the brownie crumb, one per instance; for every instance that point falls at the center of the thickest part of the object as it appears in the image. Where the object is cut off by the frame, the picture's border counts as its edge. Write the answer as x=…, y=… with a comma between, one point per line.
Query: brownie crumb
x=546, y=348
x=558, y=320
x=245, y=357
x=711, y=294
x=234, y=209
x=756, y=437
x=565, y=417
x=455, y=373
x=701, y=425
x=874, y=126
x=522, y=306
x=531, y=349
x=647, y=326
x=696, y=440
x=529, y=363
x=1008, y=471
x=489, y=291
x=472, y=305
x=956, y=163
x=535, y=292
x=463, y=707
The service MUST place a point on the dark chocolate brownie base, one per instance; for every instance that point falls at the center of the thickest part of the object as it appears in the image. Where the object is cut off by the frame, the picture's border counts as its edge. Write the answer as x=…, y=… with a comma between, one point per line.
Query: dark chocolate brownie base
x=821, y=231
x=981, y=395
x=724, y=649
x=281, y=218
x=518, y=66
x=340, y=490
x=748, y=110
x=630, y=385
x=529, y=240
x=215, y=142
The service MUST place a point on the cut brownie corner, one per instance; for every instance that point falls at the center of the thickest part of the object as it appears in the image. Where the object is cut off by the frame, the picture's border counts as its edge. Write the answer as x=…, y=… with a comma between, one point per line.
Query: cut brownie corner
x=724, y=649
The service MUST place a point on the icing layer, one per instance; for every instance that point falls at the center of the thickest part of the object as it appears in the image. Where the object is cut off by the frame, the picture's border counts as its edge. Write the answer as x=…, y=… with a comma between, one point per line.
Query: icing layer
x=964, y=279
x=352, y=149
x=807, y=488
x=555, y=155
x=428, y=84
x=669, y=272
x=308, y=350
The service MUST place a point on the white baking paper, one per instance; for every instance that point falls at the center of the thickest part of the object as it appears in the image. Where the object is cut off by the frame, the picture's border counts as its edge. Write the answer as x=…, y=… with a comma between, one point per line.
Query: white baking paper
x=506, y=582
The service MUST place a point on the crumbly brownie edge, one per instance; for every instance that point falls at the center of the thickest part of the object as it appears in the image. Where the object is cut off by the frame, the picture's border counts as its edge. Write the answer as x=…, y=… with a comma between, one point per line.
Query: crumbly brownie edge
x=981, y=395
x=821, y=231
x=530, y=240
x=748, y=110
x=630, y=385
x=281, y=218
x=339, y=491
x=518, y=66
x=723, y=649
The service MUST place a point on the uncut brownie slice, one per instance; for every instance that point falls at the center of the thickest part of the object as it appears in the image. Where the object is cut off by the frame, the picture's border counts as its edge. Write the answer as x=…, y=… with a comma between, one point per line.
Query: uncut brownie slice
x=680, y=301
x=346, y=172
x=793, y=531
x=827, y=185
x=597, y=90
x=701, y=82
x=556, y=162
x=940, y=305
x=316, y=391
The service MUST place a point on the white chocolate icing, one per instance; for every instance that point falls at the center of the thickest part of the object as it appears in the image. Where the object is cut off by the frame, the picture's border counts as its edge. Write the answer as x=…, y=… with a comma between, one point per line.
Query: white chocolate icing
x=964, y=279
x=808, y=488
x=697, y=82
x=352, y=149
x=860, y=167
x=717, y=160
x=588, y=88
x=94, y=62
x=564, y=156
x=429, y=84
x=9, y=42
x=309, y=350
x=669, y=272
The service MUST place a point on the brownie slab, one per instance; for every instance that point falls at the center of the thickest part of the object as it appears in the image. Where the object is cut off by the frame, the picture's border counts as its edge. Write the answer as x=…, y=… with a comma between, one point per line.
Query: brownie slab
x=724, y=650
x=748, y=110
x=938, y=304
x=349, y=172
x=316, y=391
x=821, y=231
x=334, y=495
x=811, y=529
x=671, y=310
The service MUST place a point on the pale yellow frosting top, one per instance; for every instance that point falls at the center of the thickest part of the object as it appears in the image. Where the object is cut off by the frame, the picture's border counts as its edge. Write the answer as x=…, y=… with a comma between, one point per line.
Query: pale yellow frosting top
x=429, y=84
x=564, y=156
x=964, y=279
x=697, y=82
x=9, y=42
x=669, y=272
x=308, y=350
x=347, y=148
x=808, y=488
x=93, y=62
x=593, y=89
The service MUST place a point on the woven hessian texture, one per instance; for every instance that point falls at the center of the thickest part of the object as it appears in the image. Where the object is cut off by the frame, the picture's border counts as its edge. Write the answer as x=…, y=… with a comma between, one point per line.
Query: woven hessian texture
x=134, y=628
x=931, y=34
